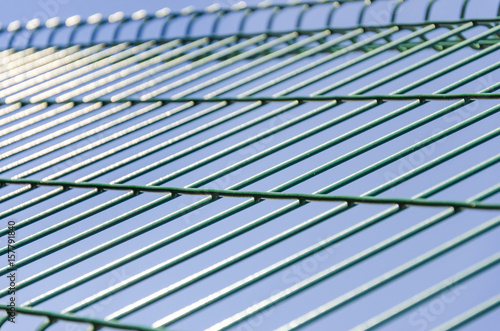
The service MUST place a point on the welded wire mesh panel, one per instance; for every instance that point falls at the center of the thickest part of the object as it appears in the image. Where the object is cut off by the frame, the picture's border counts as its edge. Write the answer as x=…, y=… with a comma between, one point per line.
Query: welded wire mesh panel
x=326, y=166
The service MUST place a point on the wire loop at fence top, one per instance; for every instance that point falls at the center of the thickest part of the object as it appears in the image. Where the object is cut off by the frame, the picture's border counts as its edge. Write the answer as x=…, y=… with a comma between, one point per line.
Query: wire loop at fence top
x=28, y=31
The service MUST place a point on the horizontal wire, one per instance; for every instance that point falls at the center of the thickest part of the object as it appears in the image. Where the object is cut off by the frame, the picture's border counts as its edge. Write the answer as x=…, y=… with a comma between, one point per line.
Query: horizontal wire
x=273, y=99
x=216, y=194
x=305, y=225
x=256, y=195
x=354, y=229
x=338, y=98
x=366, y=27
x=97, y=323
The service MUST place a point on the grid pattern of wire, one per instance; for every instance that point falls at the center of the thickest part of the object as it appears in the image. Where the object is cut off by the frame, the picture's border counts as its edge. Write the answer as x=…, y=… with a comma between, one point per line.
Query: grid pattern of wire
x=211, y=138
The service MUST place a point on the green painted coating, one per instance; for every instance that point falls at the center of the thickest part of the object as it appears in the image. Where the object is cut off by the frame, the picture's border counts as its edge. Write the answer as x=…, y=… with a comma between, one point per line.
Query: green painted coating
x=53, y=316
x=216, y=36
x=204, y=202
x=281, y=212
x=406, y=46
x=257, y=195
x=470, y=315
x=430, y=293
x=302, y=227
x=317, y=98
x=385, y=278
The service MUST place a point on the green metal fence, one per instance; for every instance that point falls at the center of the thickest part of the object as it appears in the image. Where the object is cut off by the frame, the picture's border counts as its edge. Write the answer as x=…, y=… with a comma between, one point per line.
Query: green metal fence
x=74, y=112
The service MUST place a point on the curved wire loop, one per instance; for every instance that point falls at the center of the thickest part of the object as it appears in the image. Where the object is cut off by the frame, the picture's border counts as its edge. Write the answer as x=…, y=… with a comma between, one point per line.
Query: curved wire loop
x=168, y=17
x=32, y=35
x=271, y=19
x=116, y=34
x=395, y=11
x=12, y=38
x=300, y=18
x=241, y=27
x=189, y=26
x=329, y=18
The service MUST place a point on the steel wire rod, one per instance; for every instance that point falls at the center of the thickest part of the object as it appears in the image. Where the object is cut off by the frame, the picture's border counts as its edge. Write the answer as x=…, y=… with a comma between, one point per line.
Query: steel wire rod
x=299, y=228
x=299, y=98
x=372, y=68
x=92, y=63
x=79, y=112
x=116, y=61
x=414, y=66
x=376, y=282
x=67, y=142
x=429, y=293
x=15, y=193
x=96, y=323
x=63, y=131
x=427, y=119
x=63, y=119
x=45, y=115
x=77, y=61
x=11, y=55
x=255, y=223
x=9, y=108
x=151, y=57
x=215, y=193
x=354, y=229
x=17, y=58
x=37, y=65
x=229, y=50
x=31, y=61
x=154, y=71
x=25, y=112
x=91, y=119
x=261, y=60
x=470, y=315
x=157, y=80
x=231, y=61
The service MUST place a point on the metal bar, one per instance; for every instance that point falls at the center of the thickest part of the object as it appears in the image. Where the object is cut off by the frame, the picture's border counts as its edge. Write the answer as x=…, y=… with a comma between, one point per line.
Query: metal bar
x=426, y=119
x=159, y=294
x=383, y=279
x=71, y=62
x=53, y=316
x=212, y=140
x=429, y=293
x=94, y=81
x=470, y=315
x=378, y=190
x=314, y=98
x=301, y=197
